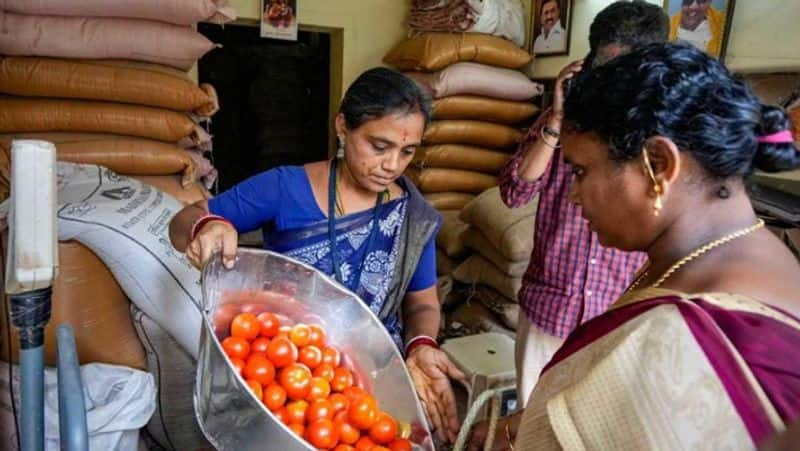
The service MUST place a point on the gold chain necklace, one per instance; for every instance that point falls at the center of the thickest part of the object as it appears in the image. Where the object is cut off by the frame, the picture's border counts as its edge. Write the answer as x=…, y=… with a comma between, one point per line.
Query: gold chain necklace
x=340, y=203
x=696, y=253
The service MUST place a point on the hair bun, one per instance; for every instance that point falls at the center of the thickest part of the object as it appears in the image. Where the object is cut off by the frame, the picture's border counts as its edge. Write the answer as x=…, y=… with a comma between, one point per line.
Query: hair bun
x=775, y=157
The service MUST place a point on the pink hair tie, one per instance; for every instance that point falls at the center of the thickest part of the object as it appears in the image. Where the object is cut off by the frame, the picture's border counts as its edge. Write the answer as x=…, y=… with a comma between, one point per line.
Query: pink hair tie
x=781, y=137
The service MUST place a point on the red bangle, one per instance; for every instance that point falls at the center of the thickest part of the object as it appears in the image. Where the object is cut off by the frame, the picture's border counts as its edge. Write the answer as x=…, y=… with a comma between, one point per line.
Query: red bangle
x=420, y=340
x=203, y=220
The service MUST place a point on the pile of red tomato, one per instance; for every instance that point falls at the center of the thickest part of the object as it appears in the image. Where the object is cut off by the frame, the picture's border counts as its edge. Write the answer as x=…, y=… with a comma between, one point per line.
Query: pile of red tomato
x=302, y=381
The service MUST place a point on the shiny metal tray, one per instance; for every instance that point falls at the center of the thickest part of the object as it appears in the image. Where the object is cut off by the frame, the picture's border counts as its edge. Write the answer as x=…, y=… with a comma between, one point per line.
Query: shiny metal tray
x=229, y=415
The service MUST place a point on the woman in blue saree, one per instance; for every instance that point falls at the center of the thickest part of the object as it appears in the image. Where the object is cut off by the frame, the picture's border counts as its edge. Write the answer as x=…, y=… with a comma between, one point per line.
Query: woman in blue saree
x=383, y=229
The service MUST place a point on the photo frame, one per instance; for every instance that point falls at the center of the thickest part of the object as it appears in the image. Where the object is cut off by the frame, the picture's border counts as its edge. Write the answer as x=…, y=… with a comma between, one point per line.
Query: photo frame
x=706, y=24
x=279, y=19
x=551, y=27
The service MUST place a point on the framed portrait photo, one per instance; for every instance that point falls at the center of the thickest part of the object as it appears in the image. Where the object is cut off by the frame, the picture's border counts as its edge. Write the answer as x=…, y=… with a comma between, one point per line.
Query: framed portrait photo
x=551, y=21
x=704, y=24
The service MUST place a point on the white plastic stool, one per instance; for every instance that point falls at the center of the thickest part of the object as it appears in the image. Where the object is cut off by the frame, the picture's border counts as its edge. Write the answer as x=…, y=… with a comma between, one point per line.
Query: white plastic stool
x=488, y=362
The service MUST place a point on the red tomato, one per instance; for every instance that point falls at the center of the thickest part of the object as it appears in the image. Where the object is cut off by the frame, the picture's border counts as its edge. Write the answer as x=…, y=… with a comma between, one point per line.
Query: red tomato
x=365, y=444
x=400, y=444
x=354, y=393
x=331, y=356
x=274, y=397
x=269, y=324
x=245, y=325
x=322, y=434
x=325, y=371
x=320, y=409
x=300, y=335
x=283, y=331
x=320, y=389
x=259, y=345
x=317, y=336
x=282, y=352
x=339, y=402
x=238, y=364
x=298, y=429
x=296, y=380
x=260, y=369
x=255, y=387
x=310, y=356
x=384, y=430
x=296, y=412
x=342, y=378
x=342, y=447
x=363, y=412
x=283, y=415
x=348, y=433
x=379, y=448
x=340, y=416
x=236, y=347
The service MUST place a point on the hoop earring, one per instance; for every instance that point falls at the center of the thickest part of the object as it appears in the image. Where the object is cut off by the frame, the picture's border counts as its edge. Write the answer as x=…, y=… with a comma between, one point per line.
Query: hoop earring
x=659, y=204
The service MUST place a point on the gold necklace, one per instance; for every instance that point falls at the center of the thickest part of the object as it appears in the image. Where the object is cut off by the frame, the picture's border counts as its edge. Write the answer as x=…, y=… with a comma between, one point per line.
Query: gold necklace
x=386, y=195
x=696, y=253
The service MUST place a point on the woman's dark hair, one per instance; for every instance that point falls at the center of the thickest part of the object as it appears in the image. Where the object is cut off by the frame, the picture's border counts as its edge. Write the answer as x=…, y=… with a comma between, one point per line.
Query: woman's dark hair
x=681, y=93
x=380, y=92
x=632, y=24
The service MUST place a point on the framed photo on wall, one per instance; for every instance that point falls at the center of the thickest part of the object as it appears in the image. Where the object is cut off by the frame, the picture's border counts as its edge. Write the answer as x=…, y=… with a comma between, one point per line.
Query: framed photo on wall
x=279, y=19
x=551, y=27
x=704, y=24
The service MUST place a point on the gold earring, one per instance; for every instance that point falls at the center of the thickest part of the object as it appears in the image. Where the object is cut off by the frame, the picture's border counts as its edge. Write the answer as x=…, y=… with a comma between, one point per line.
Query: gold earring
x=658, y=205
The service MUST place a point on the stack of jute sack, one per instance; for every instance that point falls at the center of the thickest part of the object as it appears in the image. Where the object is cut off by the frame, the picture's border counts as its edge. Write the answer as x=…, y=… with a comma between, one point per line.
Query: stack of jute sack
x=481, y=102
x=499, y=242
x=107, y=82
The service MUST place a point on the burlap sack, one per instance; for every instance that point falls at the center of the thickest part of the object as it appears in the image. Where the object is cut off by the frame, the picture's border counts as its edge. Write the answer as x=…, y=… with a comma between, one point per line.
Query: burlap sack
x=49, y=77
x=455, y=156
x=472, y=318
x=140, y=65
x=20, y=114
x=477, y=270
x=448, y=200
x=483, y=108
x=794, y=117
x=171, y=184
x=449, y=237
x=434, y=51
x=447, y=295
x=98, y=38
x=475, y=133
x=122, y=154
x=438, y=180
x=477, y=241
x=181, y=12
x=86, y=296
x=444, y=264
x=509, y=230
x=505, y=309
x=480, y=80
x=173, y=425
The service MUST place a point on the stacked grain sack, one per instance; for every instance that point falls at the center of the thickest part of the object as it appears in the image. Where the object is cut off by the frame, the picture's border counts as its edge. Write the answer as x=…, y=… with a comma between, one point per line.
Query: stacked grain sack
x=466, y=53
x=106, y=81
x=502, y=241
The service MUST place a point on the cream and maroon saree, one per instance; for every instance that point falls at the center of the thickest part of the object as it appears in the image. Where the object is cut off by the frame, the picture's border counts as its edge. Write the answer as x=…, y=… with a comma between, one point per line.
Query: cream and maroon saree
x=669, y=371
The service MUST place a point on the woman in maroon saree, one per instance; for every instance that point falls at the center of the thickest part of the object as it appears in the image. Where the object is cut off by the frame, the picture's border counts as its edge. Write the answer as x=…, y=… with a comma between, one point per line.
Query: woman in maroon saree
x=703, y=351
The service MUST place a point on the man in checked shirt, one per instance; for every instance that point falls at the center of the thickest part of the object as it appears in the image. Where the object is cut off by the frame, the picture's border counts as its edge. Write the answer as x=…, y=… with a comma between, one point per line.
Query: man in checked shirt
x=571, y=277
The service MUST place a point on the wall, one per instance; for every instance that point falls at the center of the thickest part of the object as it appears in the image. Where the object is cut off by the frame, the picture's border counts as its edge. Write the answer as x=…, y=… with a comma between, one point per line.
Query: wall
x=764, y=37
x=370, y=27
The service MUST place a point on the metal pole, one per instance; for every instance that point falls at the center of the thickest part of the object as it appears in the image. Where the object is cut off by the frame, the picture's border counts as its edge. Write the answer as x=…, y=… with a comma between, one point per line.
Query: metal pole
x=71, y=408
